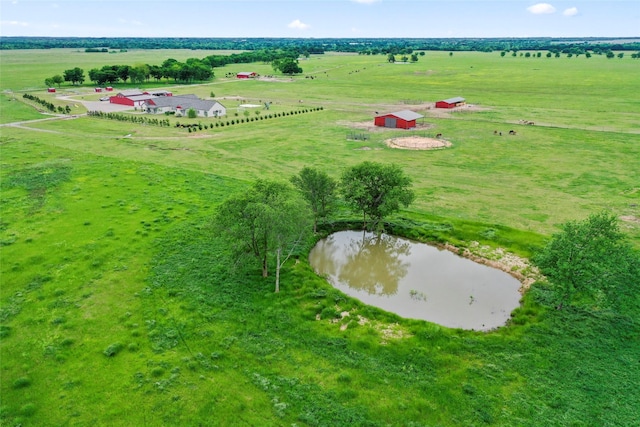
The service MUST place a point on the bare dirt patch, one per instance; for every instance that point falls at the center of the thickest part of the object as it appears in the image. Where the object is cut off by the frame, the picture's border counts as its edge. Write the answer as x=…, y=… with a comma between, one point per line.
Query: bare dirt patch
x=417, y=143
x=370, y=127
x=630, y=218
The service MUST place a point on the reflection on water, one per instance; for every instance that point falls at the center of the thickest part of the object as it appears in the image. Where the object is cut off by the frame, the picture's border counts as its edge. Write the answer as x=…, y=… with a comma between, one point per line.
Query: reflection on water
x=416, y=280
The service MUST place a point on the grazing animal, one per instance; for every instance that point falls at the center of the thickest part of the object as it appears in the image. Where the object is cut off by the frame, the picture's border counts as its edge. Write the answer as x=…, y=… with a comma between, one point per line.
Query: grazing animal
x=439, y=135
x=495, y=132
x=512, y=132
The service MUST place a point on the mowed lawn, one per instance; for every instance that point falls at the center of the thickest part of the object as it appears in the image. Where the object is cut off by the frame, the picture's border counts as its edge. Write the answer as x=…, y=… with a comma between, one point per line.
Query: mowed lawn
x=118, y=306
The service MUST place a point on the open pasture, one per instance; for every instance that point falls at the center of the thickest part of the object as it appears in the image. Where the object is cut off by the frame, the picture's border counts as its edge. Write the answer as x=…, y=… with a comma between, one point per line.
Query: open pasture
x=118, y=306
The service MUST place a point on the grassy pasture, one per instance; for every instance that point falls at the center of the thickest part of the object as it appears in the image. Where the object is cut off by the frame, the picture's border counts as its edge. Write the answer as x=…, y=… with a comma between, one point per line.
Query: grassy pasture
x=118, y=306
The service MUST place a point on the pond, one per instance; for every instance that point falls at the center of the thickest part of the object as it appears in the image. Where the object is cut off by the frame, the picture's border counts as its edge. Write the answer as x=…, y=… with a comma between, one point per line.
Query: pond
x=416, y=280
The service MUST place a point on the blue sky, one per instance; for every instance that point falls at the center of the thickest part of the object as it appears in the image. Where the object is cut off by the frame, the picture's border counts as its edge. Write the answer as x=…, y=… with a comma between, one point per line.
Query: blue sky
x=320, y=18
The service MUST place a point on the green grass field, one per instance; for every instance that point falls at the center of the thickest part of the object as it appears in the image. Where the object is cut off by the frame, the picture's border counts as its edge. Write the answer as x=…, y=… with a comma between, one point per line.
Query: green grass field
x=119, y=306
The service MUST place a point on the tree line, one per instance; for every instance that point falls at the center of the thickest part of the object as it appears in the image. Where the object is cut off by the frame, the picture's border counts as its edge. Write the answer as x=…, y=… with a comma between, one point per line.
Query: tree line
x=48, y=105
x=189, y=71
x=130, y=118
x=221, y=122
x=367, y=46
x=577, y=51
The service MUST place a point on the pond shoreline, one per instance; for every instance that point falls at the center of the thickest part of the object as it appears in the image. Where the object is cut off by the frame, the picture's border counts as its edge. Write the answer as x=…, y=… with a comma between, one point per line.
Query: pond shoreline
x=518, y=267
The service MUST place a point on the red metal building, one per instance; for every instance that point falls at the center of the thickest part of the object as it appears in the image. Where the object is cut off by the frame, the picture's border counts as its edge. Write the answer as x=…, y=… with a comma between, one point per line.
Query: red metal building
x=246, y=75
x=405, y=119
x=450, y=103
x=133, y=98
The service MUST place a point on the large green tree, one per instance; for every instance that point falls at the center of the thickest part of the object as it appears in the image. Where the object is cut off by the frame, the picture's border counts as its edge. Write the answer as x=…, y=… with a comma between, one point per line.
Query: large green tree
x=590, y=261
x=376, y=190
x=74, y=75
x=318, y=189
x=286, y=65
x=267, y=221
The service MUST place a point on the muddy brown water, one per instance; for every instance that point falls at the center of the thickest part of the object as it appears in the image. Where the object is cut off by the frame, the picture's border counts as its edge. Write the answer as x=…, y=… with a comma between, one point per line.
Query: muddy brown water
x=416, y=280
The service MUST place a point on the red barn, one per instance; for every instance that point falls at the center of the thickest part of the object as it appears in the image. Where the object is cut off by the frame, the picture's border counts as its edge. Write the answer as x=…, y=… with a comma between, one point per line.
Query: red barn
x=404, y=119
x=246, y=75
x=109, y=89
x=450, y=103
x=51, y=90
x=133, y=98
x=98, y=89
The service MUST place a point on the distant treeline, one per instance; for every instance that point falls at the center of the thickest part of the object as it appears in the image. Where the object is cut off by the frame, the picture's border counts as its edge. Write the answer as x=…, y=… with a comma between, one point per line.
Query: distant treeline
x=318, y=46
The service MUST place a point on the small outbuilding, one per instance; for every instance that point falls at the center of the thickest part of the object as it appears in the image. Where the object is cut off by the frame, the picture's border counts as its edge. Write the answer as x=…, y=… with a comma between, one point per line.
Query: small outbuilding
x=405, y=119
x=246, y=75
x=451, y=102
x=109, y=89
x=51, y=90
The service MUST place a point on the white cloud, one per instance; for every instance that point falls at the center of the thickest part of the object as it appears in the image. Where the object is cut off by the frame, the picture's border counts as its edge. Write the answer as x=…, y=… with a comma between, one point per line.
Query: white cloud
x=15, y=23
x=541, y=9
x=366, y=1
x=298, y=25
x=129, y=21
x=572, y=11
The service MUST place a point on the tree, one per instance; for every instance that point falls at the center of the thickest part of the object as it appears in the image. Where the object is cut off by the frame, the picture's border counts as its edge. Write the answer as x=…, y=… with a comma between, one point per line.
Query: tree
x=391, y=58
x=123, y=72
x=191, y=113
x=318, y=189
x=74, y=75
x=376, y=190
x=57, y=79
x=265, y=221
x=139, y=73
x=590, y=261
x=286, y=65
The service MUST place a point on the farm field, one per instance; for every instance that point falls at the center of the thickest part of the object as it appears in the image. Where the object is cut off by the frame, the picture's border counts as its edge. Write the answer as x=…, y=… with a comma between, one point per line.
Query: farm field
x=118, y=305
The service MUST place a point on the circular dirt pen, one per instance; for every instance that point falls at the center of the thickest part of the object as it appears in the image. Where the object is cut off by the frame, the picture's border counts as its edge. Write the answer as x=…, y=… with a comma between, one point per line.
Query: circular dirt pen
x=417, y=143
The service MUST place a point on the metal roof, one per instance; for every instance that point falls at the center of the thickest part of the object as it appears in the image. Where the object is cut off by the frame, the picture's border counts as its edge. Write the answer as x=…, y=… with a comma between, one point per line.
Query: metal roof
x=184, y=101
x=131, y=92
x=454, y=100
x=407, y=115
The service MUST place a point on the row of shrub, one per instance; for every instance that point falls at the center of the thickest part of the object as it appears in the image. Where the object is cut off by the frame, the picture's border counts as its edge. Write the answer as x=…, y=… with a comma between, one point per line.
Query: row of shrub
x=48, y=105
x=129, y=118
x=221, y=123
